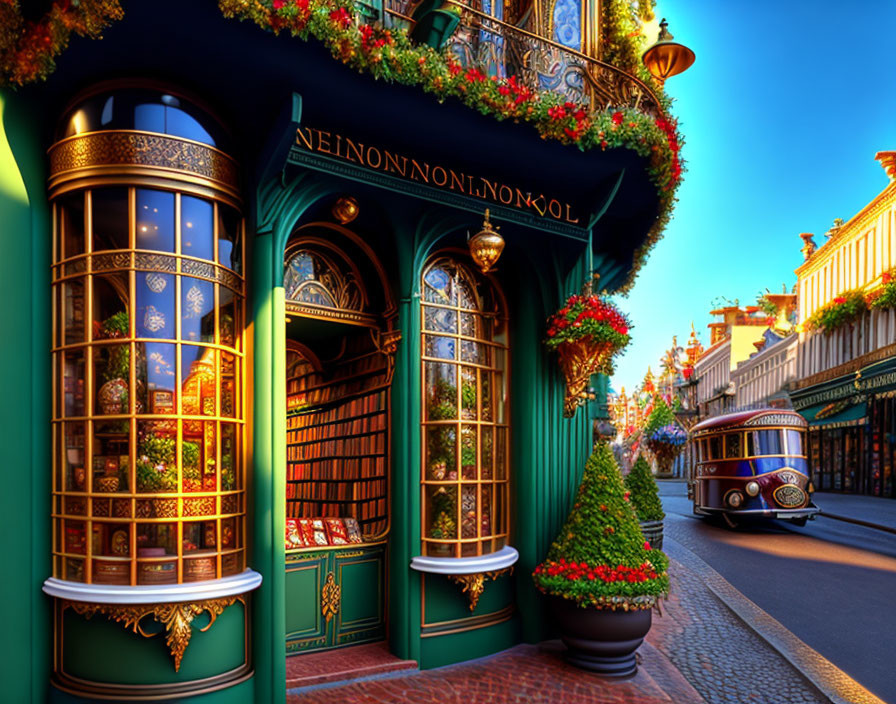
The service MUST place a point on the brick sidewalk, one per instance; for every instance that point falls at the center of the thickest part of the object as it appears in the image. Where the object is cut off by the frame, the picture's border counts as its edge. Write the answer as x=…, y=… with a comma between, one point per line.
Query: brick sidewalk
x=697, y=652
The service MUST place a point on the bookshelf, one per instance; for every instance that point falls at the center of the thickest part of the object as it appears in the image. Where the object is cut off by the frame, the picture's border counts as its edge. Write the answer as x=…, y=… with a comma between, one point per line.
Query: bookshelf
x=337, y=440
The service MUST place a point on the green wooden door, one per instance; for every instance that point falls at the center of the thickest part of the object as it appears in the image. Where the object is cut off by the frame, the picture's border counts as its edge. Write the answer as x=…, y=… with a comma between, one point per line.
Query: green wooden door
x=359, y=574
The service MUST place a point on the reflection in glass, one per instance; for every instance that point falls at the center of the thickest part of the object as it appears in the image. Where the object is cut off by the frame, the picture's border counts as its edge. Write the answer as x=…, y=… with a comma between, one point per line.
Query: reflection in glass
x=228, y=385
x=228, y=317
x=443, y=512
x=73, y=375
x=155, y=220
x=441, y=391
x=440, y=320
x=441, y=453
x=71, y=307
x=197, y=310
x=440, y=347
x=156, y=467
x=71, y=221
x=74, y=457
x=197, y=228
x=229, y=455
x=199, y=380
x=110, y=218
x=468, y=452
x=156, y=378
x=155, y=305
x=229, y=239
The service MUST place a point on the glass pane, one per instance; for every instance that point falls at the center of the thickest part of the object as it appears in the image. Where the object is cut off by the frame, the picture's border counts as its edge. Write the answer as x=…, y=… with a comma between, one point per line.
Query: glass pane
x=197, y=309
x=466, y=296
x=111, y=457
x=73, y=465
x=155, y=305
x=110, y=318
x=155, y=542
x=438, y=287
x=198, y=370
x=71, y=312
x=230, y=537
x=197, y=228
x=485, y=388
x=500, y=461
x=469, y=397
x=112, y=373
x=441, y=453
x=769, y=442
x=468, y=452
x=110, y=218
x=732, y=445
x=111, y=539
x=74, y=537
x=231, y=564
x=485, y=516
x=715, y=448
x=200, y=536
x=229, y=239
x=155, y=220
x=474, y=352
x=794, y=442
x=200, y=456
x=229, y=379
x=71, y=222
x=442, y=513
x=439, y=319
x=441, y=391
x=73, y=375
x=440, y=347
x=156, y=457
x=229, y=458
x=485, y=467
x=156, y=378
x=74, y=569
x=228, y=317
x=468, y=511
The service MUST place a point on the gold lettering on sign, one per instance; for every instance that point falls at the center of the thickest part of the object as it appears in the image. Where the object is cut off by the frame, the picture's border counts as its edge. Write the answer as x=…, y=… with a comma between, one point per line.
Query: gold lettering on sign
x=333, y=144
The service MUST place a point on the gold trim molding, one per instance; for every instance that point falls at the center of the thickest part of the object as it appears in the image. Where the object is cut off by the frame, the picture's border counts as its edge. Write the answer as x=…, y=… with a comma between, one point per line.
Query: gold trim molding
x=143, y=152
x=176, y=618
x=474, y=584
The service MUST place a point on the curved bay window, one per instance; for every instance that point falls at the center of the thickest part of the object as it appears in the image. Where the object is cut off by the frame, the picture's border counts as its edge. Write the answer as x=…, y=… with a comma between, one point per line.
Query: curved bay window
x=147, y=351
x=465, y=414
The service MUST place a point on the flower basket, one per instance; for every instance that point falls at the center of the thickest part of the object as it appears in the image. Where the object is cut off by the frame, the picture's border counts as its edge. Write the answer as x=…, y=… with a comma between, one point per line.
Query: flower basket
x=666, y=443
x=587, y=332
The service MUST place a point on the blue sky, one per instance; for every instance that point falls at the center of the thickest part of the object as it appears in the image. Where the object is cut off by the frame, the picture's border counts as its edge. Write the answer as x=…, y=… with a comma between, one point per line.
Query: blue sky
x=782, y=114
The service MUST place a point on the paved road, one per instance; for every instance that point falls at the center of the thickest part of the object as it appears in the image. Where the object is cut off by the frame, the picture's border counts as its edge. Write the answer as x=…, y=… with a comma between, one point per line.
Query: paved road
x=832, y=584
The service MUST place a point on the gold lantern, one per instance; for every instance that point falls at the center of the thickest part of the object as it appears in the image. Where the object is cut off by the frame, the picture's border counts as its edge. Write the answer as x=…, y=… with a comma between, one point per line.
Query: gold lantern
x=345, y=209
x=486, y=245
x=666, y=57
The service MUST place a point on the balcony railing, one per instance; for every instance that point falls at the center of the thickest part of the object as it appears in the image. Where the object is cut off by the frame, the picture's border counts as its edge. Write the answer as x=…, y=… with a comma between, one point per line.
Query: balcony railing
x=499, y=49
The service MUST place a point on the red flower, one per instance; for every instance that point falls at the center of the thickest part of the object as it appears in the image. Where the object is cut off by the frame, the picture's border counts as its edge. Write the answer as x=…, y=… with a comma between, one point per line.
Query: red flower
x=839, y=299
x=557, y=112
x=278, y=4
x=341, y=18
x=647, y=546
x=887, y=277
x=617, y=118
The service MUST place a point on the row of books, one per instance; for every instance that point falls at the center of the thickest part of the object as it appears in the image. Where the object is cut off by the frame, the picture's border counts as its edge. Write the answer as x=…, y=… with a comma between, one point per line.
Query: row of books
x=318, y=532
x=363, y=445
x=306, y=378
x=353, y=408
x=338, y=492
x=365, y=509
x=330, y=469
x=299, y=429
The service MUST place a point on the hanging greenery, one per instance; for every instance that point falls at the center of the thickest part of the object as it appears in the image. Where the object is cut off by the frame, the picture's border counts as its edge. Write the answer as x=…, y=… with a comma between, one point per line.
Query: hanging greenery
x=28, y=48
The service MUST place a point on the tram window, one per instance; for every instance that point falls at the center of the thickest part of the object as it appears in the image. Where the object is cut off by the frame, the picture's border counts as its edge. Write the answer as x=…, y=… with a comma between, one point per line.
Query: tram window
x=794, y=442
x=732, y=445
x=715, y=448
x=767, y=442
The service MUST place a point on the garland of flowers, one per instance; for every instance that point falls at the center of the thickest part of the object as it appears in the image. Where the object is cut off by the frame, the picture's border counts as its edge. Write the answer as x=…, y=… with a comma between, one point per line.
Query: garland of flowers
x=392, y=56
x=28, y=49
x=845, y=309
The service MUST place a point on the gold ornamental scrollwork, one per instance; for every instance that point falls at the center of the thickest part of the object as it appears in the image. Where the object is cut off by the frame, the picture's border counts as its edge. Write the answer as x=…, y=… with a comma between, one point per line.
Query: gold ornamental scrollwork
x=330, y=595
x=118, y=148
x=474, y=584
x=176, y=618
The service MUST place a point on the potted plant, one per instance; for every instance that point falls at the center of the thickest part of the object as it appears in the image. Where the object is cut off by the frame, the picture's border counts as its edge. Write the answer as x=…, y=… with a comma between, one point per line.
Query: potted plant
x=587, y=332
x=663, y=436
x=646, y=502
x=601, y=577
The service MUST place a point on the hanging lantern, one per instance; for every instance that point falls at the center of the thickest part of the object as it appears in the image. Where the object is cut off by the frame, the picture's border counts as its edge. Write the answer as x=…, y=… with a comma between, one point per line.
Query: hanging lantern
x=666, y=57
x=486, y=245
x=345, y=209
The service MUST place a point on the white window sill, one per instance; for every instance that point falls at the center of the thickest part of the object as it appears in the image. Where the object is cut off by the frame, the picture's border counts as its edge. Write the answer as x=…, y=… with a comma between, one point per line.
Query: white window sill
x=492, y=562
x=241, y=583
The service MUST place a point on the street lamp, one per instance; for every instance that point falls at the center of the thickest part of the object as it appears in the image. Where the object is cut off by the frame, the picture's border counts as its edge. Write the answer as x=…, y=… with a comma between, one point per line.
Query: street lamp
x=666, y=57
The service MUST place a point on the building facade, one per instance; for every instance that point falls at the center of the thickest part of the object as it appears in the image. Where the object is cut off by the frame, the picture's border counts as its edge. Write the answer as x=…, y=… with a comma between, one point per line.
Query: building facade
x=267, y=401
x=846, y=379
x=763, y=379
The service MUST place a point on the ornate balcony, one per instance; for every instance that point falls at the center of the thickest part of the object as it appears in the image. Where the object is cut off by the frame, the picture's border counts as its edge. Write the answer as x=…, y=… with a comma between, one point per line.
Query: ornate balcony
x=500, y=49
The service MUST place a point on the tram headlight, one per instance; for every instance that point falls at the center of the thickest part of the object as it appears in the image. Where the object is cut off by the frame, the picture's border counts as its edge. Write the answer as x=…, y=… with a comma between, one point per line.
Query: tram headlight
x=735, y=499
x=752, y=488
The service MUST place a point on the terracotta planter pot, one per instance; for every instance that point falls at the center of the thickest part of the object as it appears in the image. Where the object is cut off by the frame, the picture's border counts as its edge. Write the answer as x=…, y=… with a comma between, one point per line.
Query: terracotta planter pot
x=601, y=640
x=653, y=533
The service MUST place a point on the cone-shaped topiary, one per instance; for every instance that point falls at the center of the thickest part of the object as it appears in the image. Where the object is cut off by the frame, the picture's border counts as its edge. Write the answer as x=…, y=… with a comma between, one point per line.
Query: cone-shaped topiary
x=644, y=494
x=660, y=415
x=600, y=557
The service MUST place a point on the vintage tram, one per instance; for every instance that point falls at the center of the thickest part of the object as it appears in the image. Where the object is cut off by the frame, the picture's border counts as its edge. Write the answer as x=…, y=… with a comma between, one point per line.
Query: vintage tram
x=752, y=465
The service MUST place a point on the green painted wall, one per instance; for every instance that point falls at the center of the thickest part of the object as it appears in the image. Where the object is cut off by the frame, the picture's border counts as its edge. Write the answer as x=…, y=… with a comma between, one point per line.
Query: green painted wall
x=238, y=694
x=446, y=650
x=25, y=361
x=445, y=600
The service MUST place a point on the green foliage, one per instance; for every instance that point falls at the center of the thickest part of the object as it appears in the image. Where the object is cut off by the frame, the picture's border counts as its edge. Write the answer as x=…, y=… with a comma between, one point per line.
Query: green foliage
x=885, y=296
x=844, y=310
x=660, y=415
x=116, y=325
x=644, y=493
x=600, y=557
x=444, y=508
x=468, y=395
x=443, y=403
x=189, y=455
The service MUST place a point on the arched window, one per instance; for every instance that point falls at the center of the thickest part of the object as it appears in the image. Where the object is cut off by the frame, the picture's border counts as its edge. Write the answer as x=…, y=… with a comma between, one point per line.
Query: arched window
x=465, y=414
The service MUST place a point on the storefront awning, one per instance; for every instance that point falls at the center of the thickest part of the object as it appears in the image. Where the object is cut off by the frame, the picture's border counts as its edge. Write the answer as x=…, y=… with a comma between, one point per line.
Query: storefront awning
x=837, y=414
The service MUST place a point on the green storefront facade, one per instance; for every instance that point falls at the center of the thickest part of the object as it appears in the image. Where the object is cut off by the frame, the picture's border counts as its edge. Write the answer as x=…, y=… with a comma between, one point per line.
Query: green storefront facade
x=224, y=291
